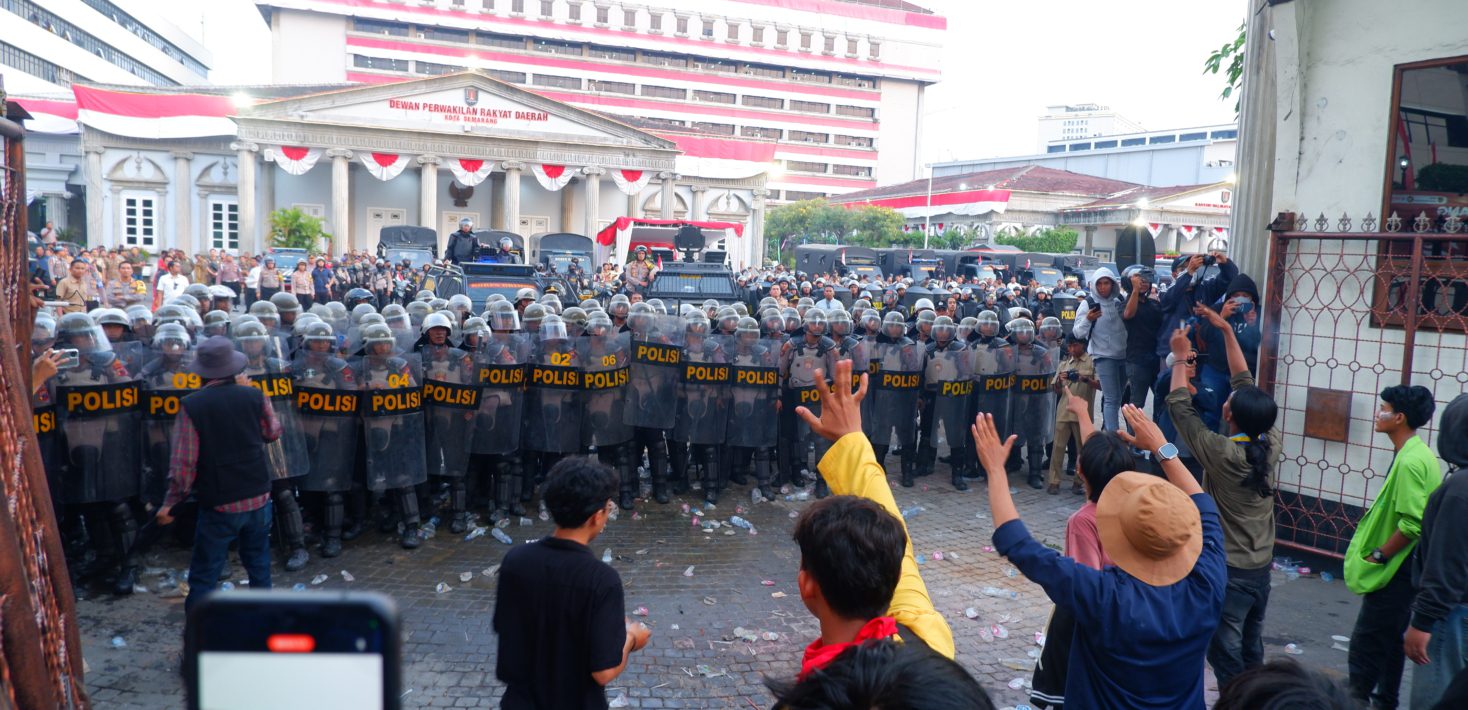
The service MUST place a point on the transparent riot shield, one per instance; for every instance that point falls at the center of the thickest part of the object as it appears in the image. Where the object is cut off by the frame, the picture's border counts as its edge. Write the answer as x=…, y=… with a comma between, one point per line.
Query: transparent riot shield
x=327, y=403
x=270, y=373
x=754, y=393
x=1032, y=404
x=165, y=380
x=101, y=420
x=893, y=387
x=606, y=360
x=552, y=414
x=948, y=380
x=657, y=352
x=392, y=420
x=703, y=393
x=499, y=366
x=450, y=400
x=993, y=371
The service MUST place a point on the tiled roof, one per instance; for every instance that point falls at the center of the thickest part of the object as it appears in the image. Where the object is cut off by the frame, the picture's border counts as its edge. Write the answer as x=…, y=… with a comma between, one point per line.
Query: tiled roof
x=1151, y=194
x=1024, y=178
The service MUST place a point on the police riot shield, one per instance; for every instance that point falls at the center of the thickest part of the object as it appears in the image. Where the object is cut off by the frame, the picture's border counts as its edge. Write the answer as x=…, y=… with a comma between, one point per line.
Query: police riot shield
x=101, y=410
x=552, y=415
x=606, y=359
x=892, y=386
x=392, y=416
x=1032, y=403
x=657, y=353
x=327, y=402
x=948, y=380
x=754, y=392
x=1065, y=310
x=270, y=372
x=166, y=379
x=499, y=370
x=993, y=371
x=450, y=400
x=703, y=393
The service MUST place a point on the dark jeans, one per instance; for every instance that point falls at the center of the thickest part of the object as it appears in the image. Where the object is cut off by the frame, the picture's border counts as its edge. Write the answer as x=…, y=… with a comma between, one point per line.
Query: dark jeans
x=1141, y=374
x=1376, y=657
x=212, y=536
x=1238, y=643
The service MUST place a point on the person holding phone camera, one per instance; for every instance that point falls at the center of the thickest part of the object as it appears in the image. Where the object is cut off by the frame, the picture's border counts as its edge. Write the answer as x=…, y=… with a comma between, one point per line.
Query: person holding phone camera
x=1099, y=319
x=1240, y=310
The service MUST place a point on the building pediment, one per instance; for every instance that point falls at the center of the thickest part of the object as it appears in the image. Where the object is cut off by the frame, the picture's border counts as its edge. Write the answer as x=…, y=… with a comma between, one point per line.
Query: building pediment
x=463, y=104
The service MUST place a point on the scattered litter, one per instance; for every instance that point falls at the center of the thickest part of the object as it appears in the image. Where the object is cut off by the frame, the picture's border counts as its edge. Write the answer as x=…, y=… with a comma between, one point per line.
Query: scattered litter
x=1342, y=639
x=794, y=515
x=709, y=672
x=502, y=536
x=1340, y=647
x=318, y=579
x=443, y=587
x=1016, y=664
x=697, y=512
x=921, y=559
x=526, y=522
x=643, y=551
x=685, y=508
x=695, y=521
x=466, y=576
x=1016, y=683
x=986, y=634
x=490, y=571
x=971, y=613
x=912, y=511
x=768, y=583
x=777, y=595
x=999, y=631
x=298, y=587
x=710, y=601
x=618, y=702
x=636, y=515
x=1039, y=638
x=745, y=634
x=770, y=636
x=139, y=589
x=476, y=532
x=1327, y=577
x=1293, y=649
x=688, y=572
x=798, y=496
x=999, y=593
x=937, y=555
x=1304, y=571
x=606, y=555
x=739, y=522
x=640, y=611
x=951, y=556
x=730, y=531
x=675, y=627
x=226, y=586
x=119, y=642
x=1011, y=572
x=177, y=592
x=988, y=548
x=1033, y=653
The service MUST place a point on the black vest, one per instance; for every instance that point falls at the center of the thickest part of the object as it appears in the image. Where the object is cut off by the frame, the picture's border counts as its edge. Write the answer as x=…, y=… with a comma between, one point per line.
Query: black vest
x=231, y=445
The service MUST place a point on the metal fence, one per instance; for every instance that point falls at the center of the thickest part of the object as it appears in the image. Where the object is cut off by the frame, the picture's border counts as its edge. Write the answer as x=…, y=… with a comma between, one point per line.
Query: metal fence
x=40, y=649
x=1350, y=309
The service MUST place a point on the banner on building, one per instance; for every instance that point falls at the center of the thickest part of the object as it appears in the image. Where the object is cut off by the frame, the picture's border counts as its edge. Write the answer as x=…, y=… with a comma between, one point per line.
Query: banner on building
x=470, y=171
x=631, y=182
x=552, y=177
x=154, y=116
x=294, y=159
x=385, y=166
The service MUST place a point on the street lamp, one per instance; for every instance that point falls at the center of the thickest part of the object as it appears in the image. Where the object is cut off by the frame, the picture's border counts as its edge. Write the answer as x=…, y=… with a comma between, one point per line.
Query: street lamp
x=1405, y=164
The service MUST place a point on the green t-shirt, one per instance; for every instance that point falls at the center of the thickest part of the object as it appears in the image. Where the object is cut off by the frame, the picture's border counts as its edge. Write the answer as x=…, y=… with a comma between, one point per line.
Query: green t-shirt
x=1413, y=477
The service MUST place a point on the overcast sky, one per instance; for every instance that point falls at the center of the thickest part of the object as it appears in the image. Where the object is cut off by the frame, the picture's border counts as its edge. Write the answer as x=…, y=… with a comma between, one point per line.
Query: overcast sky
x=1004, y=61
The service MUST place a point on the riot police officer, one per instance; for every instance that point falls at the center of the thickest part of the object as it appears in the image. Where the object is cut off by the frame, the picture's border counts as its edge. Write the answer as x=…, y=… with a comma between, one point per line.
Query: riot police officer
x=800, y=359
x=947, y=387
x=754, y=401
x=393, y=428
x=651, y=409
x=499, y=363
x=327, y=403
x=269, y=372
x=702, y=409
x=450, y=399
x=1032, y=406
x=896, y=375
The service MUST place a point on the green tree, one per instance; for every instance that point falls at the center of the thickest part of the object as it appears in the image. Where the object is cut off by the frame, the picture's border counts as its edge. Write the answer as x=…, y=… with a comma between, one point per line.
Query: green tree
x=294, y=229
x=1229, y=61
x=819, y=222
x=1058, y=240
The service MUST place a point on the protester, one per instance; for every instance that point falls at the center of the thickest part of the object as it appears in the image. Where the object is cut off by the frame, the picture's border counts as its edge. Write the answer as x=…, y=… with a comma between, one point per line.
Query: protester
x=1142, y=626
x=884, y=674
x=1099, y=321
x=219, y=456
x=1436, y=639
x=558, y=609
x=1143, y=318
x=1240, y=311
x=1376, y=560
x=1283, y=684
x=1238, y=472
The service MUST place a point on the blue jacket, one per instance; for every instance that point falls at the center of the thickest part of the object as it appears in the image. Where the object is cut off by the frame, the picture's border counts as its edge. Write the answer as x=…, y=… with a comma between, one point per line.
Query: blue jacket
x=1177, y=302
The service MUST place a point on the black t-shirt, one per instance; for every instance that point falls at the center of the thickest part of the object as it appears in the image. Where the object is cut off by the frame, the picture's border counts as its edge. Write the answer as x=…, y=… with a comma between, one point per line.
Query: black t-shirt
x=1141, y=331
x=559, y=615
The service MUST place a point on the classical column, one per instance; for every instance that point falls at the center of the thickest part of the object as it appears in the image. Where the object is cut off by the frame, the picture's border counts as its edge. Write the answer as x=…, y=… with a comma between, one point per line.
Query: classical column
x=567, y=208
x=512, y=195
x=266, y=202
x=428, y=192
x=245, y=194
x=756, y=234
x=633, y=203
x=183, y=194
x=592, y=197
x=93, y=175
x=341, y=212
x=696, y=211
x=55, y=212
x=1090, y=240
x=496, y=201
x=667, y=198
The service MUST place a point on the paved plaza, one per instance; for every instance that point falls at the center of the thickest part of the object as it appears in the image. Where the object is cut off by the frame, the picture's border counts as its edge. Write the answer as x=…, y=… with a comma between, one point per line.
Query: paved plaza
x=724, y=608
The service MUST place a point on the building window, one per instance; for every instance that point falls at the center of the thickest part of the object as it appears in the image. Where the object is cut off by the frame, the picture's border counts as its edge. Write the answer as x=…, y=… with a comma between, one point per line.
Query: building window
x=764, y=70
x=1224, y=135
x=142, y=31
x=814, y=77
x=851, y=46
x=763, y=102
x=723, y=129
x=708, y=28
x=517, y=7
x=140, y=220
x=432, y=68
x=547, y=8
x=805, y=41
x=16, y=58
x=782, y=37
x=1055, y=149
x=757, y=34
x=808, y=137
x=224, y=224
x=553, y=47
x=1154, y=140
x=859, y=82
x=378, y=27
x=874, y=50
x=856, y=111
x=1128, y=142
x=733, y=32
x=854, y=141
x=509, y=77
x=682, y=25
x=655, y=21
x=664, y=92
x=713, y=97
x=809, y=106
x=718, y=65
x=664, y=60
x=1199, y=136
x=662, y=122
x=573, y=11
x=612, y=87
x=761, y=132
x=804, y=166
x=629, y=18
x=603, y=14
x=1105, y=144
x=443, y=34
x=862, y=171
x=1078, y=146
x=798, y=195
x=379, y=63
x=616, y=53
x=557, y=82
x=830, y=45
x=489, y=39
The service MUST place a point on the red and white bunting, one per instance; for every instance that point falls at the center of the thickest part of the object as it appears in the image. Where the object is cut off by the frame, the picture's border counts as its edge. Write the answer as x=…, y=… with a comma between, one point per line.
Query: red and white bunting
x=1154, y=229
x=1187, y=231
x=385, y=166
x=552, y=177
x=631, y=182
x=294, y=159
x=470, y=171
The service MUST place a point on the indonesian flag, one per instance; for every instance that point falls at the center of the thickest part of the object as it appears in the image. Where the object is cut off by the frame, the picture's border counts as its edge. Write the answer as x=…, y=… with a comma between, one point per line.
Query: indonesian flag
x=385, y=166
x=49, y=115
x=294, y=159
x=631, y=182
x=470, y=171
x=552, y=177
x=155, y=116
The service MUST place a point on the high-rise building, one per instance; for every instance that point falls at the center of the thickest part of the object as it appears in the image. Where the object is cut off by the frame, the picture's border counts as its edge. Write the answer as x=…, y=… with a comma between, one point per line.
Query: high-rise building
x=837, y=84
x=45, y=46
x=1073, y=121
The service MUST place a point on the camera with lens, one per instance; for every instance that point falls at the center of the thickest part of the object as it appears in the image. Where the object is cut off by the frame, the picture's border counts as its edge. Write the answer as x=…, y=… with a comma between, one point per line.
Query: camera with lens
x=1209, y=260
x=1073, y=376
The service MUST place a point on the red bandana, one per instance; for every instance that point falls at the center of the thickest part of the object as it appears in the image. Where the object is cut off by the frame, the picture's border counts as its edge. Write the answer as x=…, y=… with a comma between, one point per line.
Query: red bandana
x=819, y=655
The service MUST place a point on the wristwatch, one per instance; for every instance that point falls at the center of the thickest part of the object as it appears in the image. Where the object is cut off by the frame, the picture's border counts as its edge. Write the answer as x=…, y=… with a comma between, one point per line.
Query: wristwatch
x=1167, y=452
x=1378, y=556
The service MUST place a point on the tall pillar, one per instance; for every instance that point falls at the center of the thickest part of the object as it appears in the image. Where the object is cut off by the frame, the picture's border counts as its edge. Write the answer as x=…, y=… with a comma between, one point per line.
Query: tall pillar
x=667, y=198
x=496, y=201
x=266, y=200
x=695, y=212
x=512, y=195
x=428, y=197
x=568, y=207
x=1090, y=240
x=245, y=194
x=183, y=201
x=756, y=252
x=93, y=175
x=55, y=212
x=341, y=211
x=632, y=206
x=592, y=197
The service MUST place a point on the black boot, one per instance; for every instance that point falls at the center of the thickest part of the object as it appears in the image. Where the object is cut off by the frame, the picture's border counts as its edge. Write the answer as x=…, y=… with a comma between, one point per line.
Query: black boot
x=292, y=532
x=500, y=490
x=357, y=509
x=335, y=514
x=762, y=473
x=657, y=458
x=458, y=506
x=627, y=482
x=125, y=535
x=408, y=504
x=520, y=488
x=529, y=464
x=713, y=484
x=958, y=483
x=822, y=490
x=907, y=471
x=1036, y=480
x=678, y=453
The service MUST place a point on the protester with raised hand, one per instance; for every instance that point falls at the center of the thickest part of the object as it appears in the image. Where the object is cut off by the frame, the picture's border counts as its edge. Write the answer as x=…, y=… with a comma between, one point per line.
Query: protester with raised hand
x=1141, y=627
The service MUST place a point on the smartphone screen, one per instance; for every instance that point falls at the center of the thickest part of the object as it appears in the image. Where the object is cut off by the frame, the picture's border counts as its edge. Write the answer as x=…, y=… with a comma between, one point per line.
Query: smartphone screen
x=289, y=650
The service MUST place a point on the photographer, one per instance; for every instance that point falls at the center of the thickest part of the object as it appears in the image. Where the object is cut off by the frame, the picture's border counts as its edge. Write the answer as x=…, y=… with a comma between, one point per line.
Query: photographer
x=1143, y=318
x=1099, y=318
x=1199, y=278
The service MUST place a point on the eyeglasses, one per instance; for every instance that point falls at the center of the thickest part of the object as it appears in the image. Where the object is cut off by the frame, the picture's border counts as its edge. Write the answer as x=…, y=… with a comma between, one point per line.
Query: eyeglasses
x=1192, y=360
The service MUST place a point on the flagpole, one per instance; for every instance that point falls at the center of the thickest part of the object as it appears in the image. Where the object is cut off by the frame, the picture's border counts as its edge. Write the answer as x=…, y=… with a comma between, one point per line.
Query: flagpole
x=928, y=217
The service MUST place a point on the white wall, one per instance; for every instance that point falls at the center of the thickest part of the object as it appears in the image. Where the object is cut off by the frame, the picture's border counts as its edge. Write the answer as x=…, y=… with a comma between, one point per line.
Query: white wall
x=366, y=192
x=897, y=141
x=308, y=48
